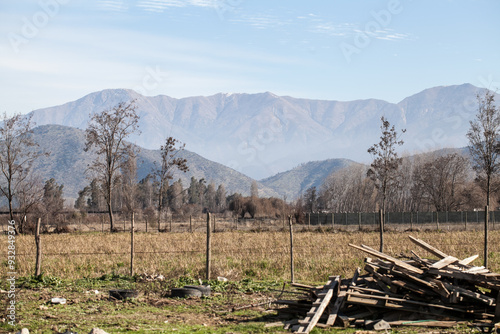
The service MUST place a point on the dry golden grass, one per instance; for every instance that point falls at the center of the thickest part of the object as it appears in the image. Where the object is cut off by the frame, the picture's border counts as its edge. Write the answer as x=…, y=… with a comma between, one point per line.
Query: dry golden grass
x=235, y=255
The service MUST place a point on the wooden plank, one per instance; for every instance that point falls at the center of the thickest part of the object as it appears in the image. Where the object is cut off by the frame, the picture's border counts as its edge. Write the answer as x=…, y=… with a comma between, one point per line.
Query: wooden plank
x=319, y=306
x=428, y=247
x=399, y=304
x=444, y=262
x=336, y=307
x=471, y=294
x=468, y=260
x=389, y=258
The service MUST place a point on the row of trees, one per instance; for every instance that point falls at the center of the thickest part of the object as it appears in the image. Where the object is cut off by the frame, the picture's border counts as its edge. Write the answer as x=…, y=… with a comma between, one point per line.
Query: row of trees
x=426, y=182
x=441, y=182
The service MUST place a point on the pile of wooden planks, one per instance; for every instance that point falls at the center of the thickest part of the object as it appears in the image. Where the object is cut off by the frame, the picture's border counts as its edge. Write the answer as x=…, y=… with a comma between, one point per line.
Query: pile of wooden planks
x=442, y=292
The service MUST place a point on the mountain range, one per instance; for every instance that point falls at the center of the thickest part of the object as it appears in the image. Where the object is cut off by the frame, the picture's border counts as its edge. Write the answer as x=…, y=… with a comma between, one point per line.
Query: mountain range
x=288, y=144
x=263, y=134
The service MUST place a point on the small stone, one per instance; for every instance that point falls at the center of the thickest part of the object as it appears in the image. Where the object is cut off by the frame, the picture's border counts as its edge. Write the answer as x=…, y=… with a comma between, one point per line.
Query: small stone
x=24, y=331
x=97, y=331
x=58, y=300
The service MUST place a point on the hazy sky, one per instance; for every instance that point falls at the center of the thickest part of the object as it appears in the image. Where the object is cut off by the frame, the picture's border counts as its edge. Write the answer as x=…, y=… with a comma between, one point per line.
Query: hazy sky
x=55, y=51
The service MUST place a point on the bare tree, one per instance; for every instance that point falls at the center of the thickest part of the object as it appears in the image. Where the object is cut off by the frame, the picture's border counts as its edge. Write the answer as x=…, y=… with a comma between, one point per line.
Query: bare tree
x=17, y=155
x=484, y=148
x=383, y=171
x=170, y=161
x=483, y=140
x=106, y=133
x=443, y=180
x=28, y=198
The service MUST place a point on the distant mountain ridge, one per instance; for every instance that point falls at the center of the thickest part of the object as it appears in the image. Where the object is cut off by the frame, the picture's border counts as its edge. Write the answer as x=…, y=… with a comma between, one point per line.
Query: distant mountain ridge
x=263, y=134
x=68, y=161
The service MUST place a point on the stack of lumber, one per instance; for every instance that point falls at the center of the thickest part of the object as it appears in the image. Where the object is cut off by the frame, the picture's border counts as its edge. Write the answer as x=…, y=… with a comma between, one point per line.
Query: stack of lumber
x=442, y=292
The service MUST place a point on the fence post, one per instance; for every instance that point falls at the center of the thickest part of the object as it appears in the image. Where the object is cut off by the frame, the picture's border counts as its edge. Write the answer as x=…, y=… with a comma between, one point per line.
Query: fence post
x=132, y=223
x=381, y=222
x=209, y=250
x=102, y=225
x=292, y=277
x=359, y=221
x=437, y=221
x=146, y=225
x=170, y=228
x=309, y=220
x=38, y=242
x=333, y=221
x=486, y=214
x=190, y=223
x=214, y=221
x=466, y=220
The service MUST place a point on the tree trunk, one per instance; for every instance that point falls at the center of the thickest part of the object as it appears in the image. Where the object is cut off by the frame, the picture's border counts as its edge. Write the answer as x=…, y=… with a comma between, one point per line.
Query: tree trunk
x=111, y=220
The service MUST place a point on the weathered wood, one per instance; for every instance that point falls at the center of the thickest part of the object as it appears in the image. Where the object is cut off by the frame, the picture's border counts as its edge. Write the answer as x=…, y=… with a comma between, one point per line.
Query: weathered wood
x=468, y=260
x=391, y=259
x=209, y=248
x=319, y=306
x=471, y=294
x=38, y=242
x=428, y=247
x=444, y=262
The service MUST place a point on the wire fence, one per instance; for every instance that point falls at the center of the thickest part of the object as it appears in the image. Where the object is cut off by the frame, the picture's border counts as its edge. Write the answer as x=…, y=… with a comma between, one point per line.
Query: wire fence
x=347, y=221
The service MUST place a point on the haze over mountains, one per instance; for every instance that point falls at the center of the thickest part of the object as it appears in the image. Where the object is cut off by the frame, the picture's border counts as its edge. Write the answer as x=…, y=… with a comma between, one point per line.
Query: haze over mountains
x=263, y=134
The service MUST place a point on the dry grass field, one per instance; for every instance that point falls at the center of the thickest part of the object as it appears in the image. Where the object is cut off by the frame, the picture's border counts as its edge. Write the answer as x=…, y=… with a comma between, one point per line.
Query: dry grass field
x=235, y=255
x=256, y=264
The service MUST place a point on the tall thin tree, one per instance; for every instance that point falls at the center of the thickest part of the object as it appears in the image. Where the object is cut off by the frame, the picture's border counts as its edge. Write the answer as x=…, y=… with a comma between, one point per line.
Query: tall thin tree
x=106, y=133
x=163, y=172
x=383, y=169
x=484, y=148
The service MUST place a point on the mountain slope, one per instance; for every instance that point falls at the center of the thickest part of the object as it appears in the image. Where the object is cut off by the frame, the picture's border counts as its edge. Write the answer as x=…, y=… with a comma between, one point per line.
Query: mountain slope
x=68, y=161
x=294, y=182
x=263, y=134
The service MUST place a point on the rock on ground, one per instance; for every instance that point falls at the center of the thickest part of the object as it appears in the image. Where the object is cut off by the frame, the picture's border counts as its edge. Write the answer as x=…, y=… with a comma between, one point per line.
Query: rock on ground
x=97, y=331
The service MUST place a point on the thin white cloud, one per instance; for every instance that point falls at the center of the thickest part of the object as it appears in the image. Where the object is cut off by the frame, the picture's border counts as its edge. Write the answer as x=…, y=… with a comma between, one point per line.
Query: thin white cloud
x=262, y=21
x=162, y=5
x=332, y=29
x=113, y=5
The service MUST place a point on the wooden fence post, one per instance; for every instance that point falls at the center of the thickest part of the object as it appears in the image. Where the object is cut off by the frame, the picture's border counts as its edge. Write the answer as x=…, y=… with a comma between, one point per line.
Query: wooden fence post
x=190, y=223
x=146, y=225
x=292, y=277
x=466, y=220
x=437, y=220
x=209, y=251
x=486, y=214
x=359, y=221
x=38, y=242
x=333, y=221
x=132, y=246
x=170, y=228
x=381, y=223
